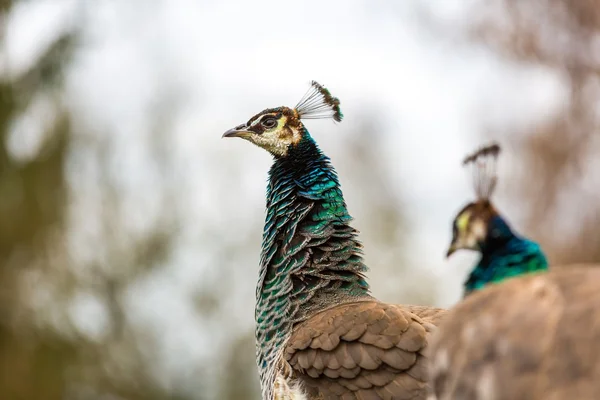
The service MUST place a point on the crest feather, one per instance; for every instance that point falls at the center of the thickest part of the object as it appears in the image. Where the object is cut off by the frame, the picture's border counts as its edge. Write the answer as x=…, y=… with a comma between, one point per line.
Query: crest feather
x=484, y=170
x=318, y=103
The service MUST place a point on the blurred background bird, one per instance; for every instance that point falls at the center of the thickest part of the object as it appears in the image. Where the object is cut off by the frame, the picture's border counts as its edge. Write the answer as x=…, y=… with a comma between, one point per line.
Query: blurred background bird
x=319, y=332
x=519, y=334
x=479, y=227
x=534, y=337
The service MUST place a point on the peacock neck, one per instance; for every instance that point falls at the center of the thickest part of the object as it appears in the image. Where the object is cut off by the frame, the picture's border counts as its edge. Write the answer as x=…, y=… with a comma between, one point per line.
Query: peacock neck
x=311, y=257
x=500, y=239
x=504, y=255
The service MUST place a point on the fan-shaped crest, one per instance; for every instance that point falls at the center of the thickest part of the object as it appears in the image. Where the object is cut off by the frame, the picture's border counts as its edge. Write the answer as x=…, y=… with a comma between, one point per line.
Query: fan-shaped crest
x=318, y=103
x=483, y=162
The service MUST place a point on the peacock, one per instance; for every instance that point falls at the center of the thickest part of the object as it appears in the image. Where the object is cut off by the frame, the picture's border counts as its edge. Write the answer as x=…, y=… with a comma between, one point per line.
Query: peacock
x=535, y=336
x=320, y=334
x=478, y=226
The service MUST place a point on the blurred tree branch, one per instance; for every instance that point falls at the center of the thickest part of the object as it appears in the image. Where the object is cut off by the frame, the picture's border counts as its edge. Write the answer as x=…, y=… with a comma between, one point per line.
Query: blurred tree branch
x=562, y=35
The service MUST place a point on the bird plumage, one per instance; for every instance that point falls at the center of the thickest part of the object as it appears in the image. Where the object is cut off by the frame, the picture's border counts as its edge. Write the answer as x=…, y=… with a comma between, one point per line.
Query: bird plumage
x=479, y=226
x=361, y=350
x=319, y=332
x=504, y=255
x=536, y=337
x=310, y=255
x=531, y=337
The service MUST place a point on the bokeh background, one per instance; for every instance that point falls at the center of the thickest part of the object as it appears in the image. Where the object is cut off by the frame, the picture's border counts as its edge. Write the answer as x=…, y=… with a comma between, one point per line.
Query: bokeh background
x=130, y=231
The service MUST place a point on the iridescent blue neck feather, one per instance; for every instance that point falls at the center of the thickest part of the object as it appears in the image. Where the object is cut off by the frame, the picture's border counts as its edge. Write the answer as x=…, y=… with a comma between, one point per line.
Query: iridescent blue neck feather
x=504, y=255
x=311, y=257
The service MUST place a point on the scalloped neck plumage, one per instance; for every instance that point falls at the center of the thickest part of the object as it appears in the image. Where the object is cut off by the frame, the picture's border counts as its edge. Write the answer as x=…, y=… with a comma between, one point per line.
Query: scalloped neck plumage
x=504, y=254
x=306, y=177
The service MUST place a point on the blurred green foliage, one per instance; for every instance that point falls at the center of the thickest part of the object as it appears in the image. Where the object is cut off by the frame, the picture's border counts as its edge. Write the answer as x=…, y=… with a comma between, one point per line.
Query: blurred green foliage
x=32, y=204
x=37, y=361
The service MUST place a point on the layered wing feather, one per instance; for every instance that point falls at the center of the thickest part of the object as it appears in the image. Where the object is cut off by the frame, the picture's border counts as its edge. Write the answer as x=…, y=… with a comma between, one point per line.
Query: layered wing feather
x=364, y=350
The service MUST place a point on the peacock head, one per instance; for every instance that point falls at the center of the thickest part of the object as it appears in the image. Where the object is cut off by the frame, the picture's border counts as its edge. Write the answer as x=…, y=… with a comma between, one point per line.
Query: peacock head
x=278, y=129
x=472, y=225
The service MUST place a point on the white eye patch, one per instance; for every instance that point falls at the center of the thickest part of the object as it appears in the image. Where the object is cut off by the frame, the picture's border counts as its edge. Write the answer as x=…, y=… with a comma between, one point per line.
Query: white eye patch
x=478, y=229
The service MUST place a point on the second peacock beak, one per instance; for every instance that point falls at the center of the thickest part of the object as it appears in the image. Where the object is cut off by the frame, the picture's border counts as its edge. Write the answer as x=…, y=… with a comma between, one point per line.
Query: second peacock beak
x=451, y=250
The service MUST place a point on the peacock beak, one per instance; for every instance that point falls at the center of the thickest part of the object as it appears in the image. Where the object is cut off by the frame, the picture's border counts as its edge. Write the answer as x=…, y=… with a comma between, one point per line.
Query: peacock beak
x=451, y=250
x=238, y=131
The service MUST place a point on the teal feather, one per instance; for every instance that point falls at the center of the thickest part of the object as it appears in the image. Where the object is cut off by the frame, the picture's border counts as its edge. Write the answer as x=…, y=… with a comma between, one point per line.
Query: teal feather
x=311, y=257
x=504, y=255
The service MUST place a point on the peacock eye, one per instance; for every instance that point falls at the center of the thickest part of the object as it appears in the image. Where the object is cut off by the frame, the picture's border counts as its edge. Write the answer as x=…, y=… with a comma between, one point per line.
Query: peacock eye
x=269, y=122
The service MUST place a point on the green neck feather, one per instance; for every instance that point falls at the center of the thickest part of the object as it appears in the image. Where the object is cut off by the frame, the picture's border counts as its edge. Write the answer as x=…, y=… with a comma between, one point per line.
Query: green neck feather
x=504, y=255
x=311, y=257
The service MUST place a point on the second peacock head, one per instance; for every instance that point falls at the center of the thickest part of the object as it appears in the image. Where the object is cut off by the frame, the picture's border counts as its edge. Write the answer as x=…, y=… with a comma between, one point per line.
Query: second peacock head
x=471, y=226
x=278, y=129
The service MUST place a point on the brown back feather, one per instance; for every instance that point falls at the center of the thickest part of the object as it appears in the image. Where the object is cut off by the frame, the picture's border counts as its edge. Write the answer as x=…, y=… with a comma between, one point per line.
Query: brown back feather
x=363, y=350
x=530, y=338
